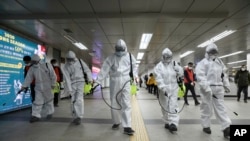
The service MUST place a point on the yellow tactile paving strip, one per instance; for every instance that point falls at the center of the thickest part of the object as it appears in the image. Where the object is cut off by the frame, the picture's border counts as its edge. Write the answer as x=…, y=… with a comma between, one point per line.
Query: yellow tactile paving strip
x=138, y=123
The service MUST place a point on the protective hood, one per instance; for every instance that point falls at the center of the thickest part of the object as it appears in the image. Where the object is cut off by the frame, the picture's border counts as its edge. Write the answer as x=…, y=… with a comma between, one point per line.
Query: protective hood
x=211, y=51
x=71, y=55
x=167, y=55
x=35, y=58
x=120, y=46
x=212, y=48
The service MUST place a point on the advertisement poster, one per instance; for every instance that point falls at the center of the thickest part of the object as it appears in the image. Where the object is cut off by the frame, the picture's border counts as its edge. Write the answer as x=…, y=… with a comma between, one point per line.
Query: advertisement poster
x=12, y=50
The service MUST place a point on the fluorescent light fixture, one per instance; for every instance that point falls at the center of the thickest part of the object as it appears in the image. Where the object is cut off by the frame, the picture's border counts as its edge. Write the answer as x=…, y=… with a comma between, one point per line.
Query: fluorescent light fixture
x=217, y=37
x=138, y=62
x=140, y=55
x=238, y=52
x=80, y=45
x=235, y=67
x=71, y=39
x=237, y=62
x=186, y=53
x=145, y=39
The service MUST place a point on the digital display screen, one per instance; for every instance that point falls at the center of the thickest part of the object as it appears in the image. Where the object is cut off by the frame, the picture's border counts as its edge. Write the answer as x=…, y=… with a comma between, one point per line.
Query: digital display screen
x=12, y=50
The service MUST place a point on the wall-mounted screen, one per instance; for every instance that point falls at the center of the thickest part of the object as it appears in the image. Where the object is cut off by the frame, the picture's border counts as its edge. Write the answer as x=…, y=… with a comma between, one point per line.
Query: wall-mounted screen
x=12, y=50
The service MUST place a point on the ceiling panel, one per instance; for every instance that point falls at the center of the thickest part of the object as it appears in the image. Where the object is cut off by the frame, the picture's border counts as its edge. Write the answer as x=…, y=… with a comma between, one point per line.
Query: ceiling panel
x=78, y=6
x=244, y=13
x=164, y=28
x=158, y=39
x=10, y=6
x=186, y=28
x=114, y=38
x=112, y=28
x=210, y=5
x=92, y=29
x=86, y=20
x=174, y=39
x=195, y=20
x=232, y=6
x=135, y=39
x=43, y=6
x=100, y=40
x=134, y=6
x=187, y=40
x=178, y=24
x=133, y=28
x=176, y=5
x=60, y=27
x=102, y=6
x=203, y=28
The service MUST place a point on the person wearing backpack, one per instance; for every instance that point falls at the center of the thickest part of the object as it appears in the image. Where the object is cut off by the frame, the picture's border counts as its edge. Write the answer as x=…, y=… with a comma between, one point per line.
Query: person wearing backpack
x=213, y=80
x=74, y=71
x=169, y=76
x=59, y=79
x=242, y=79
x=45, y=81
x=121, y=66
x=27, y=62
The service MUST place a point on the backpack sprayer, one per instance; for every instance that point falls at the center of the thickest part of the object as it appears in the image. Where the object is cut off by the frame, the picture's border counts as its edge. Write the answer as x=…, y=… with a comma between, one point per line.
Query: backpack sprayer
x=181, y=93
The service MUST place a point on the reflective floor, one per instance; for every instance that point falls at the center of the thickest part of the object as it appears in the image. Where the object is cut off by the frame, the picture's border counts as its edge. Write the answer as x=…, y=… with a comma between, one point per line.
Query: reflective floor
x=96, y=125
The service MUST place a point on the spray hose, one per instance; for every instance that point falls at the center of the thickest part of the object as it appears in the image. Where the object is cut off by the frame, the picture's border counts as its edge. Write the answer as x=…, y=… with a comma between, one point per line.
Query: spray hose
x=176, y=111
x=116, y=97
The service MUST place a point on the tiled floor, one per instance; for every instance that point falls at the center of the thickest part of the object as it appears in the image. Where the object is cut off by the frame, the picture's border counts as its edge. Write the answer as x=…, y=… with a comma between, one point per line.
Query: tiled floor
x=96, y=124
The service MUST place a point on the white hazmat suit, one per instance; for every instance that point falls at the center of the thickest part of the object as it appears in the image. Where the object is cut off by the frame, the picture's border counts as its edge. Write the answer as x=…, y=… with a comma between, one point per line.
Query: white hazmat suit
x=213, y=80
x=45, y=78
x=167, y=72
x=75, y=81
x=118, y=67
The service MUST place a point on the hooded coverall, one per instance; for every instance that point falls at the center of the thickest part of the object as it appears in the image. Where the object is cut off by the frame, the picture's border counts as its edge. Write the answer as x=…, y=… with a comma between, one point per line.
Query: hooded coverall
x=117, y=66
x=167, y=71
x=213, y=80
x=75, y=81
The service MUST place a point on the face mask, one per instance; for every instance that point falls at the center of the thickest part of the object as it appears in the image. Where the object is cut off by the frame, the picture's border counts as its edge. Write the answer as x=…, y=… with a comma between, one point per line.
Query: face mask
x=167, y=59
x=35, y=65
x=120, y=53
x=190, y=68
x=213, y=57
x=243, y=69
x=71, y=62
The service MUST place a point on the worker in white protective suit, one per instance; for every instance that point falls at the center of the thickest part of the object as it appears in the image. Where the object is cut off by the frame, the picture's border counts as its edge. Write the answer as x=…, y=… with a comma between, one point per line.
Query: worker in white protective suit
x=74, y=72
x=45, y=78
x=168, y=74
x=213, y=80
x=118, y=66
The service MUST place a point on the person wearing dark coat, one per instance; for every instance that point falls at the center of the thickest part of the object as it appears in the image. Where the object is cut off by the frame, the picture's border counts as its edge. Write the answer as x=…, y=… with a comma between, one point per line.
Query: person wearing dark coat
x=242, y=79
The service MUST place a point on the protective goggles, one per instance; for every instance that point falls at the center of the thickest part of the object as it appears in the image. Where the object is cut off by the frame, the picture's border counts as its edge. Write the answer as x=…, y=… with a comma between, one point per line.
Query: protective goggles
x=167, y=57
x=70, y=59
x=119, y=48
x=212, y=52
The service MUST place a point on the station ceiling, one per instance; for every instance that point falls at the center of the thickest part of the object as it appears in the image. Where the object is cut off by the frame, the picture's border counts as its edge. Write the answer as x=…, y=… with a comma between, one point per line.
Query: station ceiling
x=180, y=25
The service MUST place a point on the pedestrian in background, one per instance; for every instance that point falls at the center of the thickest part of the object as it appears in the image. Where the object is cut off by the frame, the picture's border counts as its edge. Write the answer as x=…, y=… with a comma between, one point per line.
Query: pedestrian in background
x=242, y=80
x=189, y=81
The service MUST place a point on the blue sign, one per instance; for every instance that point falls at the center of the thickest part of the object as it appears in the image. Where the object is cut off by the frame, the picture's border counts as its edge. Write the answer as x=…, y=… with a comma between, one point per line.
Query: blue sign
x=12, y=50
